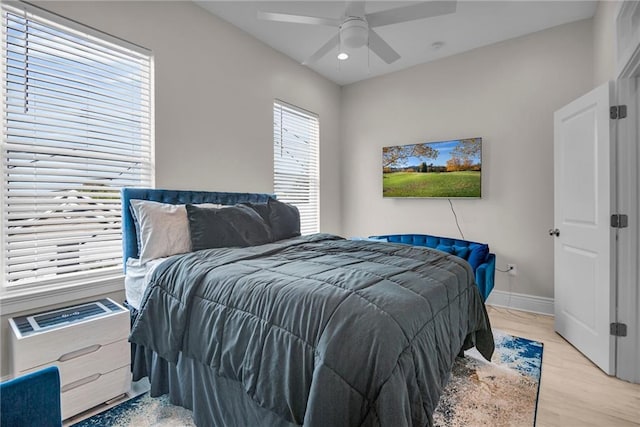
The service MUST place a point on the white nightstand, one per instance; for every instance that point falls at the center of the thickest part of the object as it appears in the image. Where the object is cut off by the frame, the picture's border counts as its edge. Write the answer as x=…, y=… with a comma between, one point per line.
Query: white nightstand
x=87, y=342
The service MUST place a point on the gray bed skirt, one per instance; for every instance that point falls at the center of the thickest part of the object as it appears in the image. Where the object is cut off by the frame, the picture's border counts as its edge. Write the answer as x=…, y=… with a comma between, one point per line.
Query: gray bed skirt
x=214, y=400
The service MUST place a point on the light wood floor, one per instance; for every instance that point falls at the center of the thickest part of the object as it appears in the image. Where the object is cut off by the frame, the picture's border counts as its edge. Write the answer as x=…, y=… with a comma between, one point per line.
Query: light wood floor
x=573, y=391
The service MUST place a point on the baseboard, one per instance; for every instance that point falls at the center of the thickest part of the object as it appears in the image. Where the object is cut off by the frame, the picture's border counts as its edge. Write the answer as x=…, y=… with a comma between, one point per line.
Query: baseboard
x=524, y=302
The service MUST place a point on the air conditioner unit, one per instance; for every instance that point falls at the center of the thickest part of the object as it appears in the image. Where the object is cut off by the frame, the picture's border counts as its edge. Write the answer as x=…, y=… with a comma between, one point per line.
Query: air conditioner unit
x=40, y=322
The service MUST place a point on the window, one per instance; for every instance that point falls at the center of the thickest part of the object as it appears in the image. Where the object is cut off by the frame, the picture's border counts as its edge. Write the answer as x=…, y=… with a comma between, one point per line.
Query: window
x=295, y=162
x=76, y=127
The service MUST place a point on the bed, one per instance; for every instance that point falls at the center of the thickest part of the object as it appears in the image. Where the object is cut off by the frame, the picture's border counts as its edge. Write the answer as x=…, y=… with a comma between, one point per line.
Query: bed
x=305, y=330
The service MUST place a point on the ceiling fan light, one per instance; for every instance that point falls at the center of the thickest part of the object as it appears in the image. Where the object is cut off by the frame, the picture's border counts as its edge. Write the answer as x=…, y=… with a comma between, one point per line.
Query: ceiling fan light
x=354, y=32
x=343, y=56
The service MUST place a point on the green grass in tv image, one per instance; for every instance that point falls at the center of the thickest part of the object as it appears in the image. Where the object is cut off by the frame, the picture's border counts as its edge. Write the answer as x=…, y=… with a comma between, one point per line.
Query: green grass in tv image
x=431, y=184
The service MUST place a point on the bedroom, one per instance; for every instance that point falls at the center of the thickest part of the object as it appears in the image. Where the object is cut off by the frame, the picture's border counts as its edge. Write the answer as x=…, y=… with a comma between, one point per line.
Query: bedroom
x=214, y=92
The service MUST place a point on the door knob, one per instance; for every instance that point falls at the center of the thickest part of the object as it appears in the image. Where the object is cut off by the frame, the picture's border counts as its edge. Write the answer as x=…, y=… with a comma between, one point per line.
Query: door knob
x=554, y=232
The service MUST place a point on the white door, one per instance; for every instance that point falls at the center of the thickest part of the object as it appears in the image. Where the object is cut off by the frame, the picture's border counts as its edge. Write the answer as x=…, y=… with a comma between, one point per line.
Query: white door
x=583, y=201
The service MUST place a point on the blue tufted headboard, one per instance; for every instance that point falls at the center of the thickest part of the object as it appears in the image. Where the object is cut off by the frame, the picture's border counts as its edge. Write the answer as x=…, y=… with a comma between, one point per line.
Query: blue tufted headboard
x=176, y=197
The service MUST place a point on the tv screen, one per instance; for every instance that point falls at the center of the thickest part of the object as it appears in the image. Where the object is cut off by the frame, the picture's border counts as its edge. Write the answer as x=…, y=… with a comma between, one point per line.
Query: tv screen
x=445, y=169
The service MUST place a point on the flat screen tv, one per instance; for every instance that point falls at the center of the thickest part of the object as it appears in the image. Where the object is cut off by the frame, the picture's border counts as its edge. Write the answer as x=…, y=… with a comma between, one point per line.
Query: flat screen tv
x=445, y=169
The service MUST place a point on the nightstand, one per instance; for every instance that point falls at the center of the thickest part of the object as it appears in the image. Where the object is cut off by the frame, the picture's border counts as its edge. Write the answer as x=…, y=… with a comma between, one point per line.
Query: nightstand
x=88, y=343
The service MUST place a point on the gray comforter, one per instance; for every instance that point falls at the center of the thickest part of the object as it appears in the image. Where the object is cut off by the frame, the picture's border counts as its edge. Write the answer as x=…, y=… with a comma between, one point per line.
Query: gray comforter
x=320, y=330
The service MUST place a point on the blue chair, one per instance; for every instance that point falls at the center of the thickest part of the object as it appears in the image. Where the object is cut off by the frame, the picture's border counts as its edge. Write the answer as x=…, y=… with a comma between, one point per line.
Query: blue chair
x=31, y=400
x=476, y=254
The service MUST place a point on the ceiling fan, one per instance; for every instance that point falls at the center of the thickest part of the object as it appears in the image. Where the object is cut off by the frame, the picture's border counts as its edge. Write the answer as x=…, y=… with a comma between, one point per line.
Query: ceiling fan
x=355, y=28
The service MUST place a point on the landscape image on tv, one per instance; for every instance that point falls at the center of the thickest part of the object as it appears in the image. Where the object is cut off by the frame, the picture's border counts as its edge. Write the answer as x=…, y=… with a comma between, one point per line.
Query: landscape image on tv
x=433, y=169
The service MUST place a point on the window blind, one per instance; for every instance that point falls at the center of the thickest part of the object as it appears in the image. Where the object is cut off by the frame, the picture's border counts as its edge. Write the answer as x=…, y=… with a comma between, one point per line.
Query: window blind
x=295, y=164
x=76, y=128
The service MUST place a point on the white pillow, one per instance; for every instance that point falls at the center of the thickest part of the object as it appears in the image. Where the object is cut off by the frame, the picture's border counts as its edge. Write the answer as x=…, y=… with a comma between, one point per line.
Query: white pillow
x=163, y=229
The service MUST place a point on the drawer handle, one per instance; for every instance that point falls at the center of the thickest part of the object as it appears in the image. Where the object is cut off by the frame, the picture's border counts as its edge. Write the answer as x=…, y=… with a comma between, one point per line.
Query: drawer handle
x=78, y=353
x=80, y=382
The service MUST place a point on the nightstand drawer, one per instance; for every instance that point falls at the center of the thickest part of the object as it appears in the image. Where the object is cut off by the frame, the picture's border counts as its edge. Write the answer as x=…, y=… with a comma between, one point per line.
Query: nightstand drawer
x=95, y=359
x=94, y=390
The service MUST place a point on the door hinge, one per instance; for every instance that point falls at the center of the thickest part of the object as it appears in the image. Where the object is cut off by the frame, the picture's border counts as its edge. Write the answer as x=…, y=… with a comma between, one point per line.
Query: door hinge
x=618, y=329
x=617, y=112
x=619, y=221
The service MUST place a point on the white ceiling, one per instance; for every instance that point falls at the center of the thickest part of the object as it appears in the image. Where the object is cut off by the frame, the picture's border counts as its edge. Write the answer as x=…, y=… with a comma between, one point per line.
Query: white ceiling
x=475, y=23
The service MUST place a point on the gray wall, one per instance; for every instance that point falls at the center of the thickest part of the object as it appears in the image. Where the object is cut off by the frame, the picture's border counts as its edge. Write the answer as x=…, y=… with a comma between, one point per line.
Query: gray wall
x=505, y=93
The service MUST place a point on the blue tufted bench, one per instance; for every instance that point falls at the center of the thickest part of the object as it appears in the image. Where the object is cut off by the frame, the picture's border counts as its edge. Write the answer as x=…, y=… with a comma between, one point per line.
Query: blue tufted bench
x=476, y=254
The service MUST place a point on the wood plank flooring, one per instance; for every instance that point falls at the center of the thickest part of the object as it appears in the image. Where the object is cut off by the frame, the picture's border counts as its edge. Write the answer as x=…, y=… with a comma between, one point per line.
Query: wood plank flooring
x=573, y=391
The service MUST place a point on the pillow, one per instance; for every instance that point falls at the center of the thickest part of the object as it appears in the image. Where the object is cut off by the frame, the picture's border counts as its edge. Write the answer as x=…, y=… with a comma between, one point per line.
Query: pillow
x=461, y=251
x=163, y=229
x=377, y=239
x=237, y=225
x=478, y=255
x=262, y=209
x=282, y=218
x=445, y=248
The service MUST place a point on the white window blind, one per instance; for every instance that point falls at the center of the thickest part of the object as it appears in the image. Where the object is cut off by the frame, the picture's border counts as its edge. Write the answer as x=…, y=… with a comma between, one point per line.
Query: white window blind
x=76, y=127
x=295, y=164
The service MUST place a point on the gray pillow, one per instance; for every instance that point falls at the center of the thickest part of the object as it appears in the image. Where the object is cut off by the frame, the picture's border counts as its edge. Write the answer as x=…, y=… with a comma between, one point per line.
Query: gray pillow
x=237, y=225
x=283, y=218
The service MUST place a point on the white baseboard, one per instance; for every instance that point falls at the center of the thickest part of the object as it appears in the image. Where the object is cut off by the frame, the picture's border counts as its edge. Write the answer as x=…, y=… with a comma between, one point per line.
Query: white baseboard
x=524, y=302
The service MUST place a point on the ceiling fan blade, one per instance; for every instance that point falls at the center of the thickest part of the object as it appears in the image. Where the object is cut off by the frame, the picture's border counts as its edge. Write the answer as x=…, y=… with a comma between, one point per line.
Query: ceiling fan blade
x=331, y=44
x=355, y=8
x=422, y=10
x=382, y=48
x=298, y=19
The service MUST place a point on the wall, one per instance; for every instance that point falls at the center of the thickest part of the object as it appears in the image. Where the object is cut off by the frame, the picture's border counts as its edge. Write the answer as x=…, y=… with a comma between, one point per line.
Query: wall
x=604, y=34
x=214, y=92
x=505, y=93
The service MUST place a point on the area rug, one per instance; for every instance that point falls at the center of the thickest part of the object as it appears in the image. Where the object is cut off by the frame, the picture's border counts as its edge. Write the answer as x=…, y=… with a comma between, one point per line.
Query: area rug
x=503, y=392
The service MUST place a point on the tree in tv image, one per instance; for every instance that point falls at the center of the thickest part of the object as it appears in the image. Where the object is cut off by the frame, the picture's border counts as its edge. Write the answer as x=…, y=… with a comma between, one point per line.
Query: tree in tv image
x=433, y=169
